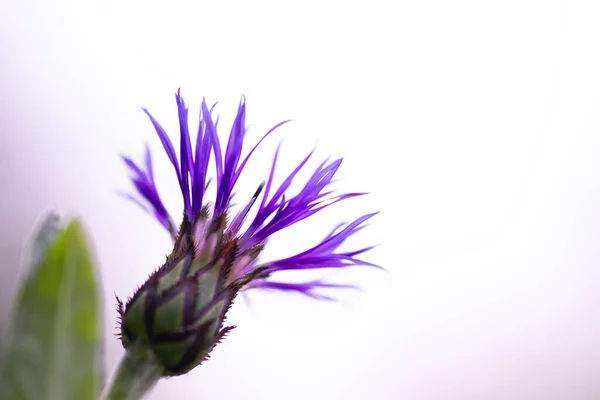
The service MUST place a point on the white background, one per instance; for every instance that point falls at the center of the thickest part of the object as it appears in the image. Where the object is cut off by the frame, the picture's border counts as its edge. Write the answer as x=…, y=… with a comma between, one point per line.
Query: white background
x=475, y=124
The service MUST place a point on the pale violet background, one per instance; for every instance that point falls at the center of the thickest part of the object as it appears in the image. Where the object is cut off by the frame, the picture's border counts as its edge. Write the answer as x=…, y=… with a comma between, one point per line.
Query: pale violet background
x=475, y=124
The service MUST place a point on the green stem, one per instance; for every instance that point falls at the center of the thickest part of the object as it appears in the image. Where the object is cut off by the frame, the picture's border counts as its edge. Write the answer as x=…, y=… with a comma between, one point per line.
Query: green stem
x=136, y=376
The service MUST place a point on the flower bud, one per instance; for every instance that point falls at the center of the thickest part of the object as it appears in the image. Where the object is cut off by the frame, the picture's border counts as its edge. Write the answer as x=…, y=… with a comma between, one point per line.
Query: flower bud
x=179, y=312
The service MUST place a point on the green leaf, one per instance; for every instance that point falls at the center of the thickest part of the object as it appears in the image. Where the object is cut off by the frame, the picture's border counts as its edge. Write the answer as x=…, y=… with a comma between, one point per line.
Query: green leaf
x=54, y=343
x=47, y=234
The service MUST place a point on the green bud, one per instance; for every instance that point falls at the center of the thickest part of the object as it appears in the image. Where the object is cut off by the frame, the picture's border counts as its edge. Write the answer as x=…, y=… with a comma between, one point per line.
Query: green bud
x=179, y=312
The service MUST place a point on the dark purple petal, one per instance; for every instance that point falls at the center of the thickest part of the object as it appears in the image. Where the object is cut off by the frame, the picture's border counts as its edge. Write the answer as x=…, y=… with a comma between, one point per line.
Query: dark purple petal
x=334, y=240
x=232, y=157
x=232, y=168
x=276, y=203
x=187, y=163
x=143, y=182
x=278, y=213
x=211, y=132
x=202, y=157
x=286, y=184
x=166, y=142
x=243, y=164
x=268, y=187
x=192, y=167
x=324, y=254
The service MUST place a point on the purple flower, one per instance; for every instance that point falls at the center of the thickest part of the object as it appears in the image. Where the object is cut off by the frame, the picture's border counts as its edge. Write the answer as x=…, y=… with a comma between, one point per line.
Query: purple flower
x=214, y=256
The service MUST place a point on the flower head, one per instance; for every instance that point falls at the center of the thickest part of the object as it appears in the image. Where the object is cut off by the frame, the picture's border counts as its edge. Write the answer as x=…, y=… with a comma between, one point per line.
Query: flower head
x=179, y=312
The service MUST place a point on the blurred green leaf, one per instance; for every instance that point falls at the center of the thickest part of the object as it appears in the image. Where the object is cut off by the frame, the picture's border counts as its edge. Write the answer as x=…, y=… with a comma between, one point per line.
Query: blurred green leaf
x=54, y=342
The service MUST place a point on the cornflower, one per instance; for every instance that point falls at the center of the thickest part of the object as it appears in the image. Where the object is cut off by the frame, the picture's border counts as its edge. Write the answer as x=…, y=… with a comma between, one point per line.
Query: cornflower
x=179, y=312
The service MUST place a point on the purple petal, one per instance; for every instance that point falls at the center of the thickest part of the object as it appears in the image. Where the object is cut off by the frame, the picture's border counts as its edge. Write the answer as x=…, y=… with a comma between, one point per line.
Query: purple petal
x=166, y=142
x=243, y=164
x=237, y=222
x=143, y=182
x=324, y=254
x=187, y=162
x=229, y=167
x=211, y=132
x=278, y=213
x=306, y=288
x=202, y=157
x=232, y=157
